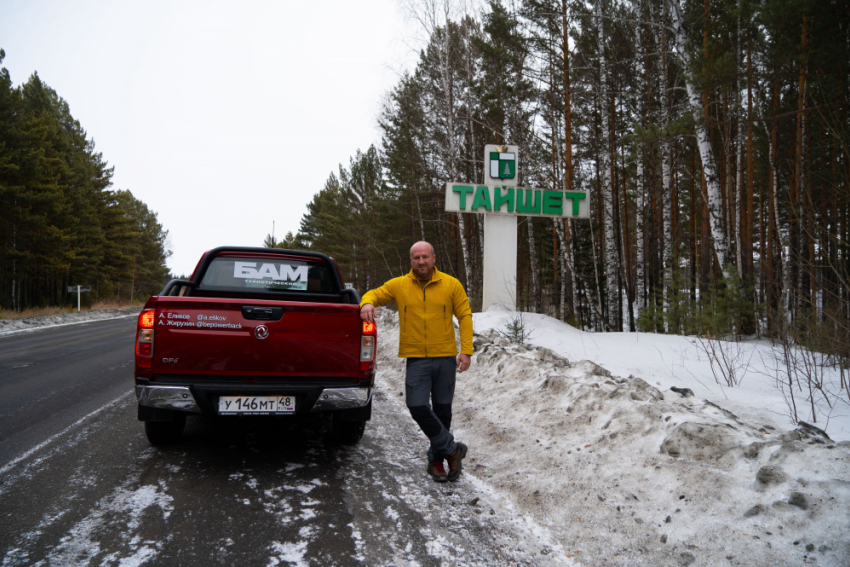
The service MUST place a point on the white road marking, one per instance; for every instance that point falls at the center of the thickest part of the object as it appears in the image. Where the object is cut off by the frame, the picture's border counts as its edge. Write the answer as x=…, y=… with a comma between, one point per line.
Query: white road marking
x=13, y=463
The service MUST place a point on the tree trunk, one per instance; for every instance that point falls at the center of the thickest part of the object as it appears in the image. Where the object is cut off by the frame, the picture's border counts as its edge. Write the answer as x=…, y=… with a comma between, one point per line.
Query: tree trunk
x=419, y=212
x=561, y=267
x=448, y=90
x=740, y=214
x=562, y=228
x=784, y=240
x=473, y=146
x=640, y=284
x=610, y=243
x=627, y=252
x=799, y=177
x=568, y=118
x=694, y=229
x=740, y=221
x=748, y=251
x=532, y=266
x=713, y=197
x=568, y=153
x=666, y=171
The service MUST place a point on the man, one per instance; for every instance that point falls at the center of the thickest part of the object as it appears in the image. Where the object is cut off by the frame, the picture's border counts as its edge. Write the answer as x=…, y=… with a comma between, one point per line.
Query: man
x=427, y=299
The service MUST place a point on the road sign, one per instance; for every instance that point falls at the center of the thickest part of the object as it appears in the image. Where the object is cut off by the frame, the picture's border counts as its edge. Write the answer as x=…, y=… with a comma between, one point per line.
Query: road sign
x=501, y=201
x=505, y=200
x=78, y=289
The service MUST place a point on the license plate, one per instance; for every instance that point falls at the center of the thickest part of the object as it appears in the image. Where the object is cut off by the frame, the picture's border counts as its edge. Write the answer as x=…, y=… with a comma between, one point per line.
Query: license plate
x=256, y=405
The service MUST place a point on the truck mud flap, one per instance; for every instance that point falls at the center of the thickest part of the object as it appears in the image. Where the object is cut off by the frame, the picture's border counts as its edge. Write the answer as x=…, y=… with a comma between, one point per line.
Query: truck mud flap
x=156, y=414
x=355, y=414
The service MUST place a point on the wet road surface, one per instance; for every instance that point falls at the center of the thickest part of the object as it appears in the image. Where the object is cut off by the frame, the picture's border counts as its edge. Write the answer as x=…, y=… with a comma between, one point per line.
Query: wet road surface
x=252, y=492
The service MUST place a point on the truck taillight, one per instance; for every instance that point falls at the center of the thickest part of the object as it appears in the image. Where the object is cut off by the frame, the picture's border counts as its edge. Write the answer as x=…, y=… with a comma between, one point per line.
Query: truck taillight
x=144, y=346
x=144, y=339
x=367, y=346
x=146, y=318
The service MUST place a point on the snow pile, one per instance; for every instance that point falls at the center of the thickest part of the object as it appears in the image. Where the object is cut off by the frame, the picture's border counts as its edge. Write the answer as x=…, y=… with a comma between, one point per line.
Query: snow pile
x=674, y=360
x=624, y=472
x=8, y=326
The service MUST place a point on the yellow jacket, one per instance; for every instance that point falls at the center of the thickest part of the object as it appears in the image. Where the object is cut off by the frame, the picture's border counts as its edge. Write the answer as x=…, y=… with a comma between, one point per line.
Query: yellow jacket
x=425, y=315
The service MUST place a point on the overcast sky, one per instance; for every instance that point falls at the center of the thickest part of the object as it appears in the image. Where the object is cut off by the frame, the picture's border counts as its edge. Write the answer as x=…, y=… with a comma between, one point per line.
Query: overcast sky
x=221, y=116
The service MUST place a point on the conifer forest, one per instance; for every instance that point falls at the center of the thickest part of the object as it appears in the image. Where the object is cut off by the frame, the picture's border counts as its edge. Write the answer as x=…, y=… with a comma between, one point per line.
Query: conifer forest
x=712, y=135
x=60, y=223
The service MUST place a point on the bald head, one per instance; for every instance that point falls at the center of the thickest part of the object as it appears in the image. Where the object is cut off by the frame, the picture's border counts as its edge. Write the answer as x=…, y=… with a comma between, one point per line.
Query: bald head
x=422, y=260
x=419, y=245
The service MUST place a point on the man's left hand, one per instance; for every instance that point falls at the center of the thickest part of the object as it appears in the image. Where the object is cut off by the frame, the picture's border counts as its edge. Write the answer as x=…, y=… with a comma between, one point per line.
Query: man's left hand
x=463, y=362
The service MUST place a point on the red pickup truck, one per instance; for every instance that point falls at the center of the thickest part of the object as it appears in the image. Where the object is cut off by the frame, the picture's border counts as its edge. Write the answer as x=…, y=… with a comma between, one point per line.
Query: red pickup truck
x=255, y=332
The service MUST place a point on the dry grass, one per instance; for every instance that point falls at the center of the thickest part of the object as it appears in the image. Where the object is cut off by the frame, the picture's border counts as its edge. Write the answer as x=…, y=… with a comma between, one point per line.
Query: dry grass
x=42, y=311
x=113, y=303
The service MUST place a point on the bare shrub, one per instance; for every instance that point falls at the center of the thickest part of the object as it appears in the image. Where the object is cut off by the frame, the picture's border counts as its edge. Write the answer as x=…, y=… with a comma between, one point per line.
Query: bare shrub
x=809, y=371
x=728, y=359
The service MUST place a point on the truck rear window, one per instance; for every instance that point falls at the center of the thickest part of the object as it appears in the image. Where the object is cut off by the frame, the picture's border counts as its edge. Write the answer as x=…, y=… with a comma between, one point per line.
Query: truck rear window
x=268, y=274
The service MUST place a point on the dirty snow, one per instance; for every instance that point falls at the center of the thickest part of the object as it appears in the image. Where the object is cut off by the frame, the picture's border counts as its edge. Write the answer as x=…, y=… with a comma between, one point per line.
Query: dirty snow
x=582, y=436
x=666, y=361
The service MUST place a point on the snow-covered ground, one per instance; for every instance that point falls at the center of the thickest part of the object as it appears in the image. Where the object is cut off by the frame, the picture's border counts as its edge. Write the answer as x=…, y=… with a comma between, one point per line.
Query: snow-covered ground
x=666, y=361
x=583, y=434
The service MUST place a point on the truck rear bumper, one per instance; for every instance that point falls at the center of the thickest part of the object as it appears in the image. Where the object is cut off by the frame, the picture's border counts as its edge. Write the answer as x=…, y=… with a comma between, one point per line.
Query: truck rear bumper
x=167, y=397
x=332, y=399
x=180, y=398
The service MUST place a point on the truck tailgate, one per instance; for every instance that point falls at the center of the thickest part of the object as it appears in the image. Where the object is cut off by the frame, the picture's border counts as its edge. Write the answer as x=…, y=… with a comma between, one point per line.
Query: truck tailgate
x=216, y=337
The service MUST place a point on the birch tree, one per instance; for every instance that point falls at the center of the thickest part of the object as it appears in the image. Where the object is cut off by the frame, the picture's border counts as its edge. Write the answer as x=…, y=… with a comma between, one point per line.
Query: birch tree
x=435, y=18
x=713, y=198
x=666, y=165
x=610, y=243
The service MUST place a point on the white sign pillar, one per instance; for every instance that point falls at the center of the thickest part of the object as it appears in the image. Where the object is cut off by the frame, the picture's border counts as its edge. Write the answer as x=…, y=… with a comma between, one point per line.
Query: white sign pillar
x=500, y=238
x=499, y=261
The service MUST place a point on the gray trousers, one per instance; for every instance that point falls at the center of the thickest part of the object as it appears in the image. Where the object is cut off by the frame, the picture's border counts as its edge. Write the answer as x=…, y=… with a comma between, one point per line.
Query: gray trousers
x=432, y=380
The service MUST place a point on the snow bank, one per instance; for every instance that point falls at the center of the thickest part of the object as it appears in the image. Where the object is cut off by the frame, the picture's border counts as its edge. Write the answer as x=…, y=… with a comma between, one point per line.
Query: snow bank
x=8, y=326
x=624, y=472
x=674, y=360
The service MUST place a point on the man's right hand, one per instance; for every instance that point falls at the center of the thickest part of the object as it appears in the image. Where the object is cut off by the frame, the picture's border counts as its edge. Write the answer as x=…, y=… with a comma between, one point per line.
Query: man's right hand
x=367, y=313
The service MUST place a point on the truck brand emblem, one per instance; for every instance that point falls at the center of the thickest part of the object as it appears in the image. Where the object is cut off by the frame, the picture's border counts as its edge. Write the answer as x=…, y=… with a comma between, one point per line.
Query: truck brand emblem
x=261, y=332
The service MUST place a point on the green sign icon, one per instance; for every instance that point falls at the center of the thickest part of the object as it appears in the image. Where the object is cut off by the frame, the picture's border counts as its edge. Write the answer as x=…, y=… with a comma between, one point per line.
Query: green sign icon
x=502, y=165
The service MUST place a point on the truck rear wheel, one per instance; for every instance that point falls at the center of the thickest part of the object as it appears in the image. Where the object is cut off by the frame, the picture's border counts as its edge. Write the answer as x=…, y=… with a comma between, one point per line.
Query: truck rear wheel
x=165, y=432
x=347, y=432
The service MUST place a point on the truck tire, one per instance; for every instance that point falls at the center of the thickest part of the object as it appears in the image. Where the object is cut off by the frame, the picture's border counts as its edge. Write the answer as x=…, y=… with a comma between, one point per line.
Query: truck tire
x=347, y=432
x=165, y=432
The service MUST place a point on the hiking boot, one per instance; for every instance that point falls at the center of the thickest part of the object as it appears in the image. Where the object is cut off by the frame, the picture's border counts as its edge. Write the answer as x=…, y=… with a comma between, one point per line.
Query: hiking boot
x=437, y=472
x=455, y=461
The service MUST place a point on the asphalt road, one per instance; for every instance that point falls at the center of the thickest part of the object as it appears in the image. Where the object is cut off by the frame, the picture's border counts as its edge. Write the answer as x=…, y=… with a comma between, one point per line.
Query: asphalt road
x=52, y=377
x=80, y=485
